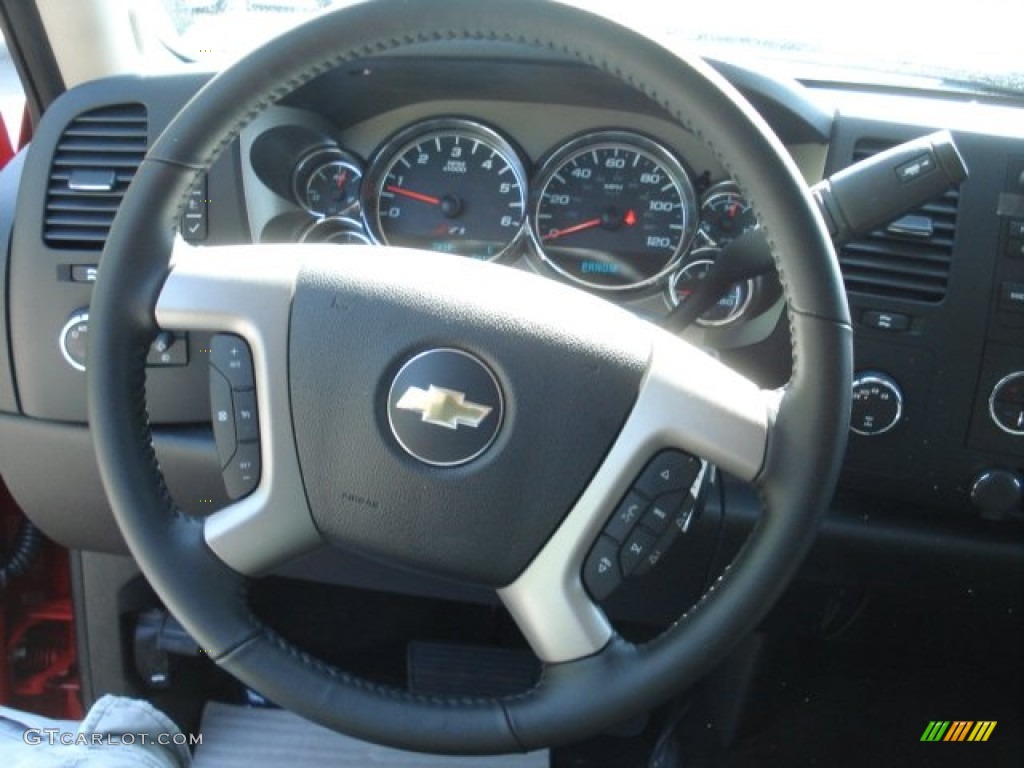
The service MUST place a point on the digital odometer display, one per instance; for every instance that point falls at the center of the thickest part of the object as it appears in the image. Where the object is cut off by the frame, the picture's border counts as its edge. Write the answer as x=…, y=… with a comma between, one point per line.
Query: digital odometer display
x=613, y=211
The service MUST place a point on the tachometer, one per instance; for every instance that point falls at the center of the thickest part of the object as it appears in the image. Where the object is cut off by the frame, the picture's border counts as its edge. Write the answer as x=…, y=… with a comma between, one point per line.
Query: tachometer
x=613, y=210
x=449, y=185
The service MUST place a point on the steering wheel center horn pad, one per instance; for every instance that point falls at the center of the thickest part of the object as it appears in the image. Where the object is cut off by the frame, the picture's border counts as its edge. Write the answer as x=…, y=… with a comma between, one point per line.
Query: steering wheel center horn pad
x=588, y=396
x=546, y=373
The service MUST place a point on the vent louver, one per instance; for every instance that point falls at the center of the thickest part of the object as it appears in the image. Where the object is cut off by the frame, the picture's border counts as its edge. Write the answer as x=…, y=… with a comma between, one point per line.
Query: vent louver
x=95, y=160
x=911, y=257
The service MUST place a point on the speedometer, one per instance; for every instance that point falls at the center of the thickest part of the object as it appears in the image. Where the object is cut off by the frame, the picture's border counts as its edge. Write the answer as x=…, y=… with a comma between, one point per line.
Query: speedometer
x=613, y=211
x=448, y=185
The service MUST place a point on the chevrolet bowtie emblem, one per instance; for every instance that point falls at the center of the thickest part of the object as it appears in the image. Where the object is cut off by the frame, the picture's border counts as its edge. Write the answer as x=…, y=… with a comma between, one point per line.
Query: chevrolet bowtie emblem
x=443, y=407
x=414, y=402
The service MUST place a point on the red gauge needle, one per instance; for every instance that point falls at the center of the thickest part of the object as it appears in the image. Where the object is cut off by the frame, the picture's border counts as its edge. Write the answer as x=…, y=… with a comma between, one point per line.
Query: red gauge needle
x=413, y=195
x=340, y=180
x=556, y=233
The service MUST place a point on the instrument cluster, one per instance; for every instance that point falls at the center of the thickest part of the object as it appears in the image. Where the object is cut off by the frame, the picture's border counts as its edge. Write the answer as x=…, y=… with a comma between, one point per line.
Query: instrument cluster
x=613, y=211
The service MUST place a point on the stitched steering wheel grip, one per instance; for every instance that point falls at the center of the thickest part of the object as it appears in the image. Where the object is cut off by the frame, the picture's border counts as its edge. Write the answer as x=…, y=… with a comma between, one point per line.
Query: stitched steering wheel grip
x=804, y=423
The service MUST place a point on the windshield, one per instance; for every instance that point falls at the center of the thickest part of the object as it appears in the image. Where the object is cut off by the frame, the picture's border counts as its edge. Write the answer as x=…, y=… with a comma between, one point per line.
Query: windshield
x=899, y=43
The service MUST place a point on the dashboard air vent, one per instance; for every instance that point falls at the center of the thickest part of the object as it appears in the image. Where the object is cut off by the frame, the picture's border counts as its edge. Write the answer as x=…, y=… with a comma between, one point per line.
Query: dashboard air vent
x=96, y=158
x=910, y=258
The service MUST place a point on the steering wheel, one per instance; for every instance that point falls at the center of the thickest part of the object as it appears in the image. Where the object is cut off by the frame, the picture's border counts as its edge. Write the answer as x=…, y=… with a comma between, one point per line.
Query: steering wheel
x=583, y=395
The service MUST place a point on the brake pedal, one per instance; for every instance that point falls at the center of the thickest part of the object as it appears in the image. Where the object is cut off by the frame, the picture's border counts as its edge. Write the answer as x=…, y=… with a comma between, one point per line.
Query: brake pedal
x=442, y=669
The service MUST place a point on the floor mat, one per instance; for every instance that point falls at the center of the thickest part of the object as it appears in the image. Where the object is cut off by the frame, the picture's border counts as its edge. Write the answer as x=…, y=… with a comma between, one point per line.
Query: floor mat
x=246, y=737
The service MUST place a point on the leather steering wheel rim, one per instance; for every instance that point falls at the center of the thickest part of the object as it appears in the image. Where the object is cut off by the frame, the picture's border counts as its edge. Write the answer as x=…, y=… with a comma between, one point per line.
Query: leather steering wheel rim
x=808, y=420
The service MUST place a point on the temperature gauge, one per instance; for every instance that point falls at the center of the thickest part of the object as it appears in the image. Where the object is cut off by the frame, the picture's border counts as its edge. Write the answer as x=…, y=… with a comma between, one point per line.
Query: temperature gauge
x=326, y=182
x=725, y=215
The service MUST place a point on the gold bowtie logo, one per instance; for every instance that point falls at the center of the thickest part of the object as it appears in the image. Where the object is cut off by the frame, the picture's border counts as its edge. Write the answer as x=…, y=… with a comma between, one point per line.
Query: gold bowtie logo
x=443, y=407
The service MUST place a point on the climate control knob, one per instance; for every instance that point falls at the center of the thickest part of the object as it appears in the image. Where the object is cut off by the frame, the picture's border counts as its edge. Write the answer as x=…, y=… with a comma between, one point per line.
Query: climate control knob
x=1006, y=403
x=997, y=494
x=877, y=404
x=73, y=339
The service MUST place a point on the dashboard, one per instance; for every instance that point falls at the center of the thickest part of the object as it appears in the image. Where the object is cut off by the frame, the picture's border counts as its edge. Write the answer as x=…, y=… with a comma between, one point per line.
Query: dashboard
x=541, y=165
x=620, y=202
x=613, y=210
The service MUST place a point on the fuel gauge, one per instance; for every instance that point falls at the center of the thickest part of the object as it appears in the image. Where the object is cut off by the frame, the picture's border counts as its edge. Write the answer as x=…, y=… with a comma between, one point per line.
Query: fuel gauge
x=326, y=182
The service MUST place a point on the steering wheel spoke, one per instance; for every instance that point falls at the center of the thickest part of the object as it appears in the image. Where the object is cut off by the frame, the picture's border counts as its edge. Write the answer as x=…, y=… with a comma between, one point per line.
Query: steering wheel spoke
x=692, y=401
x=692, y=413
x=246, y=291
